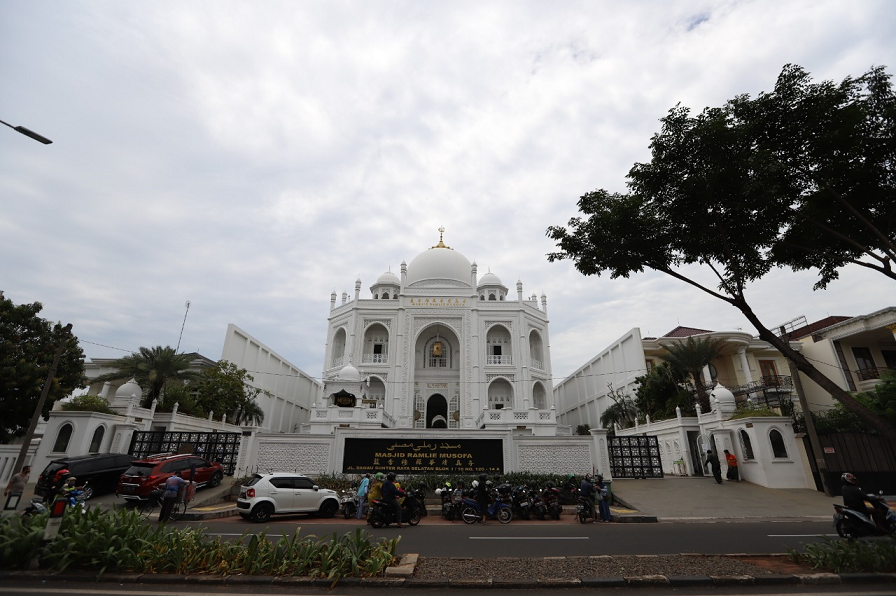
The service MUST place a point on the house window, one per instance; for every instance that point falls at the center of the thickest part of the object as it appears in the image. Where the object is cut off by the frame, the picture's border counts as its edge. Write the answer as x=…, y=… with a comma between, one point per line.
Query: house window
x=97, y=439
x=777, y=441
x=62, y=439
x=865, y=363
x=650, y=364
x=769, y=372
x=746, y=444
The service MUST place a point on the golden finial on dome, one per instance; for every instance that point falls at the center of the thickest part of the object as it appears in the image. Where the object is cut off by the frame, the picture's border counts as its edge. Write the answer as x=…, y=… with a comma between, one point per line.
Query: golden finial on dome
x=441, y=234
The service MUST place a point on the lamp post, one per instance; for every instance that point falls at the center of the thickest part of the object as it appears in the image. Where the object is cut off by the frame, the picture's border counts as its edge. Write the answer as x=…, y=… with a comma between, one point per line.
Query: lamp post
x=28, y=133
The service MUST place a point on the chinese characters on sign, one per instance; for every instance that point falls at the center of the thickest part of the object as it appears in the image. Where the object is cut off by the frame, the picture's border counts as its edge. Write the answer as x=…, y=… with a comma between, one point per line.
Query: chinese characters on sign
x=421, y=456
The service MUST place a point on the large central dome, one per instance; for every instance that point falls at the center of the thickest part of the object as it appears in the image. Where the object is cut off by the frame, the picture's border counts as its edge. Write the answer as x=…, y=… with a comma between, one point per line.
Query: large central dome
x=439, y=263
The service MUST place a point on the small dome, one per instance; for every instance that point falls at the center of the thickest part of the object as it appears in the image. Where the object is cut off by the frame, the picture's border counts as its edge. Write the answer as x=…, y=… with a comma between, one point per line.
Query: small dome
x=722, y=394
x=388, y=279
x=490, y=279
x=128, y=389
x=349, y=373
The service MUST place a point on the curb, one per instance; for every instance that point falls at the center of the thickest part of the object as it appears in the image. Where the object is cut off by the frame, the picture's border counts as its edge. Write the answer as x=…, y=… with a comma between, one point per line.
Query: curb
x=397, y=579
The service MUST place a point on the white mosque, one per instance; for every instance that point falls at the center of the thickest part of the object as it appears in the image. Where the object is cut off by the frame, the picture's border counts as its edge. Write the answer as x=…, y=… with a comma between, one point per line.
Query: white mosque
x=436, y=349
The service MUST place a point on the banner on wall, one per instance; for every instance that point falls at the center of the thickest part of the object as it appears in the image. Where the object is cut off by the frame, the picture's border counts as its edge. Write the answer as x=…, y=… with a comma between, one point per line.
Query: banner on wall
x=423, y=456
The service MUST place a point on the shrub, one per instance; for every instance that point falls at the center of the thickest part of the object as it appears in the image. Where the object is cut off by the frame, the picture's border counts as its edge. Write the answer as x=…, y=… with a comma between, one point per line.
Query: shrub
x=849, y=556
x=88, y=403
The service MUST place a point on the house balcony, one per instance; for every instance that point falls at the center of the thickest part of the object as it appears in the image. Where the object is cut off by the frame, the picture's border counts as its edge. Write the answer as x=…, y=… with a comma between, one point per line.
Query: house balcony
x=867, y=378
x=374, y=358
x=770, y=389
x=536, y=364
x=498, y=360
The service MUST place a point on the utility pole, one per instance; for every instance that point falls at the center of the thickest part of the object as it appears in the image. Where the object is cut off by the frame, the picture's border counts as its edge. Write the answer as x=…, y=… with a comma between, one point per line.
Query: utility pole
x=23, y=452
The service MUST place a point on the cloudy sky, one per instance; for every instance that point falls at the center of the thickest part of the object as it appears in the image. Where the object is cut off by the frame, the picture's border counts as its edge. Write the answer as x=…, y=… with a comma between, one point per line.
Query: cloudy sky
x=253, y=157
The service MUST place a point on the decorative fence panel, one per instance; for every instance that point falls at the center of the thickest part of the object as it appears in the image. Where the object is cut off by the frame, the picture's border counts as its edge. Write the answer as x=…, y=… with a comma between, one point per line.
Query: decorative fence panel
x=223, y=448
x=635, y=457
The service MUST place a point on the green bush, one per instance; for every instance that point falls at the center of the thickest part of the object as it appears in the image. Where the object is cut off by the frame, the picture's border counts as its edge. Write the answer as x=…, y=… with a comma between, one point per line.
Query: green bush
x=849, y=556
x=88, y=403
x=100, y=541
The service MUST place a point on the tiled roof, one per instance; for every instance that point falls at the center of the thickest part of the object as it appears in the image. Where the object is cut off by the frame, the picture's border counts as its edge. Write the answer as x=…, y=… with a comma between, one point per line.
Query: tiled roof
x=814, y=327
x=686, y=332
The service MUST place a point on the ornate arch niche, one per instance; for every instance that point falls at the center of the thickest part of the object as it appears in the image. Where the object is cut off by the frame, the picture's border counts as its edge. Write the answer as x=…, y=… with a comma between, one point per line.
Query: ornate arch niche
x=338, y=354
x=343, y=399
x=536, y=350
x=539, y=396
x=500, y=394
x=376, y=344
x=498, y=345
x=437, y=347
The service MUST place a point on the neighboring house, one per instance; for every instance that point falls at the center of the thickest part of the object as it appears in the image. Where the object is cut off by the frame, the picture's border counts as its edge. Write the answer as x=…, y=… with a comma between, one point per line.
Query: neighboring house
x=851, y=351
x=437, y=349
x=748, y=367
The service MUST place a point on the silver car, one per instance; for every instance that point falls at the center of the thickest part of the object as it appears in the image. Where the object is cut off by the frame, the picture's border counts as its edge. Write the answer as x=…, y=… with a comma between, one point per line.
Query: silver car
x=284, y=492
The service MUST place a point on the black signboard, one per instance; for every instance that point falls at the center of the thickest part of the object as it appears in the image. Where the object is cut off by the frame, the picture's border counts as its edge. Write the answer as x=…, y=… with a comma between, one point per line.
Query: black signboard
x=423, y=456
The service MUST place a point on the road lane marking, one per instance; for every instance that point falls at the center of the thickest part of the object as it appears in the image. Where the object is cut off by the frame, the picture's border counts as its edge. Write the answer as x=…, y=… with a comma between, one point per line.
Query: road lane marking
x=801, y=535
x=529, y=538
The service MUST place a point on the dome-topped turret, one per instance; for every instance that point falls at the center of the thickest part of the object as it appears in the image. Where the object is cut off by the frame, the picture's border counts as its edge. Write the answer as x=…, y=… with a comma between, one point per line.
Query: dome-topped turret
x=388, y=278
x=722, y=398
x=349, y=373
x=439, y=263
x=490, y=279
x=128, y=389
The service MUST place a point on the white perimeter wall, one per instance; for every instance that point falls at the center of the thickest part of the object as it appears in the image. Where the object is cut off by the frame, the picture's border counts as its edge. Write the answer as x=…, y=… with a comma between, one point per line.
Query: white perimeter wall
x=291, y=391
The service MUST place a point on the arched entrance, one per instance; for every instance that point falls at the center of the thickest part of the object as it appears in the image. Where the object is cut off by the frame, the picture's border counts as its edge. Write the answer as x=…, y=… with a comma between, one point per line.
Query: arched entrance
x=437, y=411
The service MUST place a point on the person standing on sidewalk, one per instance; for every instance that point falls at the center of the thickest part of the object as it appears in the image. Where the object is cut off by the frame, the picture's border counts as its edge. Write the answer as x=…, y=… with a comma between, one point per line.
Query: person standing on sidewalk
x=732, y=466
x=603, y=499
x=362, y=495
x=713, y=460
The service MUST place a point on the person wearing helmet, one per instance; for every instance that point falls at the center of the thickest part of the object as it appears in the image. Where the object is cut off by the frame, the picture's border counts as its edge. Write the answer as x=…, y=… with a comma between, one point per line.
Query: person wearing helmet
x=375, y=492
x=586, y=489
x=390, y=497
x=58, y=482
x=854, y=496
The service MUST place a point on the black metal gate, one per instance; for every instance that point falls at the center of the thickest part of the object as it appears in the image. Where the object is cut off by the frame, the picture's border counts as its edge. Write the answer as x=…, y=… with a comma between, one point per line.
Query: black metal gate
x=223, y=448
x=635, y=457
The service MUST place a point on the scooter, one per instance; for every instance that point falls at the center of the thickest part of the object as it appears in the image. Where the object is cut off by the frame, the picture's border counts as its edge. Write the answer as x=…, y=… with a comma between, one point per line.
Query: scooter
x=858, y=524
x=498, y=509
x=36, y=507
x=584, y=508
x=349, y=503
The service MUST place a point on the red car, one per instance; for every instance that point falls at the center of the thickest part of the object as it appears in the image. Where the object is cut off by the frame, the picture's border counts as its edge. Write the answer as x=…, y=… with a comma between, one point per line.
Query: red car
x=145, y=475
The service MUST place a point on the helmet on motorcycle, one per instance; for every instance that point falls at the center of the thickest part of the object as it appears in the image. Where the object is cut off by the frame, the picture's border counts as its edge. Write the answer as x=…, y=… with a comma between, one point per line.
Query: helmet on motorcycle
x=390, y=476
x=447, y=485
x=532, y=484
x=475, y=483
x=380, y=476
x=549, y=485
x=62, y=473
x=588, y=477
x=849, y=478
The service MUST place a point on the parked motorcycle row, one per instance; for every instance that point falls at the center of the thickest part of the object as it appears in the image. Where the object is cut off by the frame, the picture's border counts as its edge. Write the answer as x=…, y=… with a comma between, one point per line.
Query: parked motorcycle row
x=505, y=503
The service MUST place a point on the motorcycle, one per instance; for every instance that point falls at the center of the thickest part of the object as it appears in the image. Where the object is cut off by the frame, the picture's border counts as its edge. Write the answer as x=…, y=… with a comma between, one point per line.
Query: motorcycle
x=551, y=497
x=348, y=503
x=521, y=502
x=584, y=508
x=497, y=509
x=36, y=507
x=383, y=514
x=858, y=524
x=449, y=511
x=419, y=495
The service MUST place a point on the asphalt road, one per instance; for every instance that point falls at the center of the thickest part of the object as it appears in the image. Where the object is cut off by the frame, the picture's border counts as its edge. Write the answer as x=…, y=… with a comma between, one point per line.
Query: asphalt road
x=554, y=538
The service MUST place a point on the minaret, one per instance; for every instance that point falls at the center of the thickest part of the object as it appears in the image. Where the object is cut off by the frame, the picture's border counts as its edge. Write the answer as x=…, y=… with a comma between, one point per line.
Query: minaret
x=333, y=300
x=519, y=291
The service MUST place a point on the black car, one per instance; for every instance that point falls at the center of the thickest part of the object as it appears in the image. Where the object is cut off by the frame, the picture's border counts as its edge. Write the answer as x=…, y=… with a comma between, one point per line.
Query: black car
x=102, y=470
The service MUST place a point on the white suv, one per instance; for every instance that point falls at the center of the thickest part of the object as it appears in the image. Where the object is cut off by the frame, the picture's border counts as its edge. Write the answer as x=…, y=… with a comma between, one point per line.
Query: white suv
x=284, y=492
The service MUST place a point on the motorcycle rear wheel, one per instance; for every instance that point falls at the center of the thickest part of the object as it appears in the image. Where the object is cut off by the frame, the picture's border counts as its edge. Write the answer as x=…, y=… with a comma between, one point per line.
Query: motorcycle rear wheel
x=505, y=515
x=583, y=516
x=470, y=516
x=414, y=519
x=846, y=530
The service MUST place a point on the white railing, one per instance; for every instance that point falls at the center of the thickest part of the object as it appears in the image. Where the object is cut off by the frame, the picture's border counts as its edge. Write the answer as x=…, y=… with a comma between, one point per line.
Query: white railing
x=537, y=364
x=499, y=360
x=375, y=358
x=337, y=361
x=441, y=362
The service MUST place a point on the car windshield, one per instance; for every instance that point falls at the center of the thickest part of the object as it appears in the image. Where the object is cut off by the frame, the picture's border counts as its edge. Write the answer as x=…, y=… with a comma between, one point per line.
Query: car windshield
x=253, y=481
x=139, y=470
x=52, y=469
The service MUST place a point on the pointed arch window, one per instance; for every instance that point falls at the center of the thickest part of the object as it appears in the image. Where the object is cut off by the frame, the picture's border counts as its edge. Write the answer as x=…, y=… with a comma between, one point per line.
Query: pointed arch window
x=746, y=444
x=62, y=438
x=779, y=449
x=97, y=439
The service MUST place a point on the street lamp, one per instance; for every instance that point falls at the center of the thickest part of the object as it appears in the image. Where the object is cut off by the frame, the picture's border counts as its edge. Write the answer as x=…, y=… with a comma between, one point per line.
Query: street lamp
x=28, y=133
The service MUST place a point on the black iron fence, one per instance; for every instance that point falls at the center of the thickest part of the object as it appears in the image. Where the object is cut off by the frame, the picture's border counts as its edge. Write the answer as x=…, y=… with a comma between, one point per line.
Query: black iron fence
x=223, y=448
x=635, y=457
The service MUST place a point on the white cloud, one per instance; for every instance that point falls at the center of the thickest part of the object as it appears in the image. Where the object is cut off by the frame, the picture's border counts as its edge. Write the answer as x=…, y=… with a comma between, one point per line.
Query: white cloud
x=255, y=157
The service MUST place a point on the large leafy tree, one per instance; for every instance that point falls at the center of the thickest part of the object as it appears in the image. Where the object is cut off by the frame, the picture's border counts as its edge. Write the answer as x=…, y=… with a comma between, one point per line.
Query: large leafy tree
x=226, y=389
x=658, y=393
x=800, y=177
x=152, y=368
x=28, y=344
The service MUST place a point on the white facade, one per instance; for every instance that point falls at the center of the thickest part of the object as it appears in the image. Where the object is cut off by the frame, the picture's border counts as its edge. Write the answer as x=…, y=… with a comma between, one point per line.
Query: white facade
x=437, y=349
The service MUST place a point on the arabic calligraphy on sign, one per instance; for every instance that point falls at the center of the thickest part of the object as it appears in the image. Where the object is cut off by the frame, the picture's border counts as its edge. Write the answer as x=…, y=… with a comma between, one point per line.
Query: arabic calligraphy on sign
x=410, y=456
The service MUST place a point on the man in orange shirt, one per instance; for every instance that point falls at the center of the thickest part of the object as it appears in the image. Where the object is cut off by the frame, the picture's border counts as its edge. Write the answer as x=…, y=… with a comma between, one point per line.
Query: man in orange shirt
x=732, y=466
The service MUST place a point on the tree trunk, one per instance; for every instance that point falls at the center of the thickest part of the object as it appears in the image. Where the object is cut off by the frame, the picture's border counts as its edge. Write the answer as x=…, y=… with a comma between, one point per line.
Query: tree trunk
x=806, y=367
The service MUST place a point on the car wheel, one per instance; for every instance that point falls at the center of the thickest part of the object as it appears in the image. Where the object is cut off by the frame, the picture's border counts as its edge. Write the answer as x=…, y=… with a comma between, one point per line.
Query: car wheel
x=216, y=479
x=262, y=512
x=328, y=508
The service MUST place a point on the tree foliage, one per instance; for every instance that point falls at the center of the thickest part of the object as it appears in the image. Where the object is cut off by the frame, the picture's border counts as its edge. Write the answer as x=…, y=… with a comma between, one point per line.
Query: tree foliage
x=226, y=389
x=801, y=177
x=88, y=403
x=689, y=359
x=152, y=368
x=658, y=393
x=28, y=344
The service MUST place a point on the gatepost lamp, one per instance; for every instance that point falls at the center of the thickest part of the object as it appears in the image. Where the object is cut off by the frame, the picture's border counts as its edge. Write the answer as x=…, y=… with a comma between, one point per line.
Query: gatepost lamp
x=28, y=133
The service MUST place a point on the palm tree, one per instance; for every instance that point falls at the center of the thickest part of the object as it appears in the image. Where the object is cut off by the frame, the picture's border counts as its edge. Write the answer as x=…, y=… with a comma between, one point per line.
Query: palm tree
x=152, y=368
x=249, y=413
x=690, y=358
